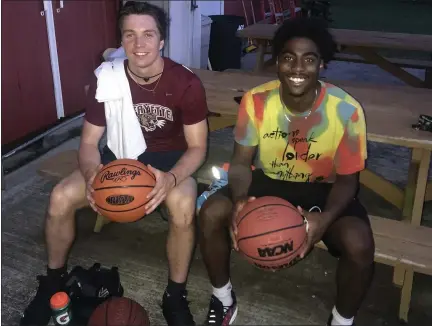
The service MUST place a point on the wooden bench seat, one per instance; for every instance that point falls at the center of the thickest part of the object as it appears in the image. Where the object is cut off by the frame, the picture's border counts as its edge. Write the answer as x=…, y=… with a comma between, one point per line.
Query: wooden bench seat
x=406, y=247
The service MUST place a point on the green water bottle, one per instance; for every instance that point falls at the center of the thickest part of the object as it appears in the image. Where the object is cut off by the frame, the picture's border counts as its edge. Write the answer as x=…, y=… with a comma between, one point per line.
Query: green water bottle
x=61, y=309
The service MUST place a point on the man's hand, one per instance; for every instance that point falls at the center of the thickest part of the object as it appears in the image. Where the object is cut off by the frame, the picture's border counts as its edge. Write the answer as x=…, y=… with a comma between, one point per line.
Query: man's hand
x=89, y=178
x=316, y=227
x=164, y=183
x=238, y=206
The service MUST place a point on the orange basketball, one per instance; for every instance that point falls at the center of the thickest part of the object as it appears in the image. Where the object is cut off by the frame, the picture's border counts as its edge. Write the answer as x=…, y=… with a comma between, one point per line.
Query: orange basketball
x=121, y=188
x=271, y=232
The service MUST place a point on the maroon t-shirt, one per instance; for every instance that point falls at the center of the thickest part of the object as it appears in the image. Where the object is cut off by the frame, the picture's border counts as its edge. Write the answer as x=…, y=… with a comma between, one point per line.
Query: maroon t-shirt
x=179, y=99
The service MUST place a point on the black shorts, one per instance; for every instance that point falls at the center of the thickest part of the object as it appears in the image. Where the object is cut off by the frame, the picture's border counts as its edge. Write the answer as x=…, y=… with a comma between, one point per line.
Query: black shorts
x=163, y=161
x=303, y=194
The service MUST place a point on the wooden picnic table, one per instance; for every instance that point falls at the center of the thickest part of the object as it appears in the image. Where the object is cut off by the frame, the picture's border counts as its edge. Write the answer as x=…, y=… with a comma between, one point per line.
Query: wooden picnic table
x=363, y=44
x=390, y=112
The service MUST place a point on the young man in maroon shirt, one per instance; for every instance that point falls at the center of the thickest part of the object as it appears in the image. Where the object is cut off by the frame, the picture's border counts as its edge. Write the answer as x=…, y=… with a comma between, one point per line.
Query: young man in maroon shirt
x=170, y=104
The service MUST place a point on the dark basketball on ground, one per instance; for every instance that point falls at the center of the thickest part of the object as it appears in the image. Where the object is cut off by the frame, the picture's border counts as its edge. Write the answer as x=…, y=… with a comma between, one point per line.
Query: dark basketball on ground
x=121, y=188
x=270, y=232
x=119, y=311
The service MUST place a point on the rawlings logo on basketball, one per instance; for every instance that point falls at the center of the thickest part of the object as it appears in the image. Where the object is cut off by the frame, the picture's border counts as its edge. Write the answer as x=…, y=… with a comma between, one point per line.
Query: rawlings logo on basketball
x=119, y=176
x=119, y=200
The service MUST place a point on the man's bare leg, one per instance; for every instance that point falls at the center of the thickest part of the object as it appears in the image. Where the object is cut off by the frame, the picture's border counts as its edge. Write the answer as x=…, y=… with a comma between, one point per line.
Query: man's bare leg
x=67, y=196
x=181, y=203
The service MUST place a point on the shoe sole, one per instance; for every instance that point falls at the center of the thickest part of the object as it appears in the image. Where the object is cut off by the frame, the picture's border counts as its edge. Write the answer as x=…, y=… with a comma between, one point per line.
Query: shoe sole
x=233, y=317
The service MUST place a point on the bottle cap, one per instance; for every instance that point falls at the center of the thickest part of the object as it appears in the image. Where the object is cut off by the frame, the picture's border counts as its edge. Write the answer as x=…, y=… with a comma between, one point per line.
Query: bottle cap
x=59, y=300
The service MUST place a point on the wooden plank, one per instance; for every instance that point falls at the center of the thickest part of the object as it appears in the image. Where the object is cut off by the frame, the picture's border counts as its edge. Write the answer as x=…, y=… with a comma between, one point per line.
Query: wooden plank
x=100, y=222
x=262, y=45
x=396, y=252
x=386, y=65
x=396, y=230
x=60, y=165
x=373, y=39
x=407, y=63
x=387, y=190
x=398, y=275
x=390, y=110
x=405, y=300
x=216, y=123
x=428, y=195
x=421, y=188
x=411, y=183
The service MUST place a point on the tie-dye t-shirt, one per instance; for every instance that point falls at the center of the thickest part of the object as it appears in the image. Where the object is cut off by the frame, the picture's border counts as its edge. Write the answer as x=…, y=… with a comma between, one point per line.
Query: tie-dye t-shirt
x=310, y=147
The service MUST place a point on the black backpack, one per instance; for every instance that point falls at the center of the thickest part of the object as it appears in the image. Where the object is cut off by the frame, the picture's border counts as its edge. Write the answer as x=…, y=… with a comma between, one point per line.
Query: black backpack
x=88, y=288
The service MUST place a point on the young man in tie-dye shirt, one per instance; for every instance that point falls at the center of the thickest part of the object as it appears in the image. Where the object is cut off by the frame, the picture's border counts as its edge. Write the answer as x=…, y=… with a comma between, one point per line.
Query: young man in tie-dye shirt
x=309, y=141
x=310, y=146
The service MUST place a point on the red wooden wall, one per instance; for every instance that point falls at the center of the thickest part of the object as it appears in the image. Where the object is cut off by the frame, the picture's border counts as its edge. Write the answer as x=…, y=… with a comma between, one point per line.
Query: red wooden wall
x=235, y=7
x=84, y=29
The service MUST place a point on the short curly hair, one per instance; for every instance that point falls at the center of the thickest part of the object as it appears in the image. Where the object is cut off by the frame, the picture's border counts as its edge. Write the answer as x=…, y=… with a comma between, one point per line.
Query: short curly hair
x=145, y=8
x=314, y=29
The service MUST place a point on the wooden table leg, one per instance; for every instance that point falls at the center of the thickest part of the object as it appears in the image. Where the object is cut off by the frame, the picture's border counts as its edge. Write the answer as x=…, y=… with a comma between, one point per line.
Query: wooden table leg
x=428, y=76
x=100, y=222
x=388, y=66
x=405, y=298
x=262, y=44
x=420, y=192
x=428, y=196
x=415, y=190
x=412, y=211
x=410, y=188
x=3, y=187
x=384, y=188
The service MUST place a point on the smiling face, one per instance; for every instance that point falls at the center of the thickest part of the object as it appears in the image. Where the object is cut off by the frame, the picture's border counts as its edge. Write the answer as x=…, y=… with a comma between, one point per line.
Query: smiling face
x=299, y=64
x=141, y=40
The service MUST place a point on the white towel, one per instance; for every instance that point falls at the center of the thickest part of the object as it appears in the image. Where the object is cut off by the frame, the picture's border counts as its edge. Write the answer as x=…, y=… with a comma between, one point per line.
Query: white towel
x=124, y=134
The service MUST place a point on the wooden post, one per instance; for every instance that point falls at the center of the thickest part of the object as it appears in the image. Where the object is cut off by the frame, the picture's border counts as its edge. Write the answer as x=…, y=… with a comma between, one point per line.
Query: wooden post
x=100, y=222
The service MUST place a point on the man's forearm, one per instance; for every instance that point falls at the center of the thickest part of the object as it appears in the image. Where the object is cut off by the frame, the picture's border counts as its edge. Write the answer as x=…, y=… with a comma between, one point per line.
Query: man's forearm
x=239, y=180
x=88, y=158
x=189, y=163
x=341, y=194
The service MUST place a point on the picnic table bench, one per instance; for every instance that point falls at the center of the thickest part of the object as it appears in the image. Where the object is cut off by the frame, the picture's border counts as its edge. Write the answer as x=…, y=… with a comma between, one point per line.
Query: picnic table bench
x=405, y=245
x=360, y=46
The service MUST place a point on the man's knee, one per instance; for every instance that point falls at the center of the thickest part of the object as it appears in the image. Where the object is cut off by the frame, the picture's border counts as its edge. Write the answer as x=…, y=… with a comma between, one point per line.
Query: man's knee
x=359, y=244
x=67, y=195
x=215, y=214
x=181, y=203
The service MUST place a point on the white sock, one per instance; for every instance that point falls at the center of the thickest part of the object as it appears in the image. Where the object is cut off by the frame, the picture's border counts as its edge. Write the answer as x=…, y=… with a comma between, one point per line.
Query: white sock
x=339, y=320
x=224, y=294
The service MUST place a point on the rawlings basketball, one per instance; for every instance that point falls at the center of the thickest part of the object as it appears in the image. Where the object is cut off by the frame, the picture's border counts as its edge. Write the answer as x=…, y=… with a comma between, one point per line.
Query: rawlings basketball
x=271, y=232
x=119, y=311
x=121, y=188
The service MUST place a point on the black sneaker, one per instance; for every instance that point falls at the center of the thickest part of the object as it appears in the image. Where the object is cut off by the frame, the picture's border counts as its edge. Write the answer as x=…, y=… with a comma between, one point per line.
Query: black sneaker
x=219, y=315
x=38, y=312
x=176, y=310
